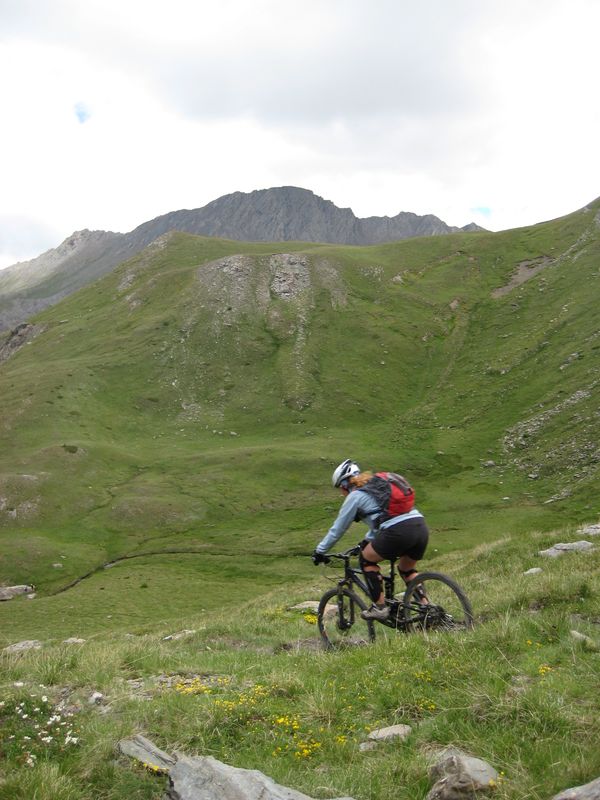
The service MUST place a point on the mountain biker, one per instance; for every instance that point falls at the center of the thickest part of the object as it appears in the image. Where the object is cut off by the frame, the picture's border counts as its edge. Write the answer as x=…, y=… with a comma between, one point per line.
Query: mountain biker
x=403, y=537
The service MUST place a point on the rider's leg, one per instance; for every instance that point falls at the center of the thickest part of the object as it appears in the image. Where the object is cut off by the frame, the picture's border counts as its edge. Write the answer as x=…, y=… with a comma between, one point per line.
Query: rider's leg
x=406, y=568
x=369, y=562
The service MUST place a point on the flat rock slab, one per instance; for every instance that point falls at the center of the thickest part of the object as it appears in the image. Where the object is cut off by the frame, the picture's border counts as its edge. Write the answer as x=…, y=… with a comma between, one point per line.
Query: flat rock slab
x=179, y=635
x=589, y=791
x=533, y=571
x=146, y=752
x=8, y=592
x=307, y=605
x=589, y=530
x=393, y=732
x=21, y=647
x=459, y=776
x=565, y=547
x=206, y=778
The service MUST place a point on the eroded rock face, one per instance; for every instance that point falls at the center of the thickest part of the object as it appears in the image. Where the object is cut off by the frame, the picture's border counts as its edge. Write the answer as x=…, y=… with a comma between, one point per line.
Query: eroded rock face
x=19, y=336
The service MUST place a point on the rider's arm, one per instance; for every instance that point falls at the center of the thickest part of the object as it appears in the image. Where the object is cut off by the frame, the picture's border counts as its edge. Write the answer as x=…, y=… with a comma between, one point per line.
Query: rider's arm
x=344, y=519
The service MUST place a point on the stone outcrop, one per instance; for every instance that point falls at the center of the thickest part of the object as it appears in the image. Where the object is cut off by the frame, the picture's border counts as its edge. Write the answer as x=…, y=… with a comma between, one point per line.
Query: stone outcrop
x=206, y=778
x=146, y=752
x=21, y=647
x=21, y=335
x=589, y=530
x=589, y=791
x=8, y=592
x=459, y=776
x=561, y=548
x=400, y=732
x=282, y=214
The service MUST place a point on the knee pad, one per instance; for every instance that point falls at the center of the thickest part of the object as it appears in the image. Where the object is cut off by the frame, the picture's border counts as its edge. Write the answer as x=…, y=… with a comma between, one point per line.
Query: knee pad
x=404, y=573
x=364, y=563
x=374, y=584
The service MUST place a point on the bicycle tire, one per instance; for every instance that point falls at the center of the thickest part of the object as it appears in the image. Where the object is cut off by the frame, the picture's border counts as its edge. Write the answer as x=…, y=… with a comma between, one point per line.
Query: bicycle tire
x=448, y=609
x=351, y=630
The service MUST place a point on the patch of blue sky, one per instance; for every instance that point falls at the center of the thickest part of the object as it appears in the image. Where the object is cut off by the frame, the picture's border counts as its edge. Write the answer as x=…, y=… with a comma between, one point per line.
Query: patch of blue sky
x=484, y=211
x=82, y=112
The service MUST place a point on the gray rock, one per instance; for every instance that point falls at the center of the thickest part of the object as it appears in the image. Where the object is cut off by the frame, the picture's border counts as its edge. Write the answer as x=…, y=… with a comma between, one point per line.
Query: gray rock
x=307, y=605
x=589, y=643
x=458, y=776
x=533, y=571
x=561, y=548
x=205, y=778
x=364, y=747
x=73, y=640
x=393, y=732
x=589, y=530
x=179, y=635
x=8, y=592
x=146, y=752
x=95, y=698
x=589, y=791
x=20, y=647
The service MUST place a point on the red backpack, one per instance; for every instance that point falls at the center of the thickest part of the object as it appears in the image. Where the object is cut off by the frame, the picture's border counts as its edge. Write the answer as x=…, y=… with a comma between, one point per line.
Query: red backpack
x=393, y=493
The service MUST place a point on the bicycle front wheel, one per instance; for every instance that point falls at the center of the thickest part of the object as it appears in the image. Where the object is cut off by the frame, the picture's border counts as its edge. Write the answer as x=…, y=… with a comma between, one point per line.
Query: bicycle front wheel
x=434, y=602
x=339, y=620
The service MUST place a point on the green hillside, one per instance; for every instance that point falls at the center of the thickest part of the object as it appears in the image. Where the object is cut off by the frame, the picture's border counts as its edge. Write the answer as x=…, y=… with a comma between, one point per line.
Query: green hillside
x=197, y=398
x=167, y=437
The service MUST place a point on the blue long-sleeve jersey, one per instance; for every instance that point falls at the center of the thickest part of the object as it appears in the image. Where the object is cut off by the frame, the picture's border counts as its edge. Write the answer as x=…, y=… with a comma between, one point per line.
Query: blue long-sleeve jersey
x=354, y=503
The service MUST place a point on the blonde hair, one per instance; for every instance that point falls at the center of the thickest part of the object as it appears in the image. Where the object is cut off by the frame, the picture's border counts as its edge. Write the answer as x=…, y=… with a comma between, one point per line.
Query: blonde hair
x=360, y=480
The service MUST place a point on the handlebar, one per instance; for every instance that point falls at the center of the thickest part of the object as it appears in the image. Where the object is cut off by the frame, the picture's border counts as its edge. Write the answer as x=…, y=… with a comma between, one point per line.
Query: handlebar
x=353, y=551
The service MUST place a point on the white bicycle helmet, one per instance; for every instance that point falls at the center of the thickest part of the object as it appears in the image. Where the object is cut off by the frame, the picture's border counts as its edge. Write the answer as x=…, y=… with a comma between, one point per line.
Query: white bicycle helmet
x=345, y=470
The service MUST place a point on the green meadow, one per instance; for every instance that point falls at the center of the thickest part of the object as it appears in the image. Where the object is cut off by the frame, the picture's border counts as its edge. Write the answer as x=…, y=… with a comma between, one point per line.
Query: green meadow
x=167, y=439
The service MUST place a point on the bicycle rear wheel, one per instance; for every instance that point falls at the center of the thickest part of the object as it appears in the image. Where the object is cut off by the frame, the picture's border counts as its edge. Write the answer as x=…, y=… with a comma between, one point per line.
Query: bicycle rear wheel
x=339, y=620
x=434, y=602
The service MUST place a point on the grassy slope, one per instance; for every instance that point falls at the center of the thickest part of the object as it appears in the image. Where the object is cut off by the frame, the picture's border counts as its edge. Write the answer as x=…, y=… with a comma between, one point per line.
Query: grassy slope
x=116, y=439
x=518, y=691
x=116, y=433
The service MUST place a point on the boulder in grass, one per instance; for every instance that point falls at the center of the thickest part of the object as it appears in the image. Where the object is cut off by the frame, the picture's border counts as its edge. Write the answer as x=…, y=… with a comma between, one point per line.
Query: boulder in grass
x=146, y=752
x=589, y=791
x=392, y=732
x=458, y=775
x=589, y=530
x=8, y=592
x=21, y=647
x=561, y=548
x=205, y=778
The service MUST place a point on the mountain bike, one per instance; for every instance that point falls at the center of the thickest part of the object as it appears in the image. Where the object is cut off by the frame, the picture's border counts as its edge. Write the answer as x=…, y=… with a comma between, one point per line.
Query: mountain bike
x=430, y=602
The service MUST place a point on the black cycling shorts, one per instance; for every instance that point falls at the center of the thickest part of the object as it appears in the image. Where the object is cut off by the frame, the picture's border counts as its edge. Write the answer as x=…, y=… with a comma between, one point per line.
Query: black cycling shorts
x=406, y=538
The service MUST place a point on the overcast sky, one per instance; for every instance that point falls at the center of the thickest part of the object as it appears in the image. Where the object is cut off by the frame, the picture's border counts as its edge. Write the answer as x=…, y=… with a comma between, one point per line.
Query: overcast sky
x=117, y=111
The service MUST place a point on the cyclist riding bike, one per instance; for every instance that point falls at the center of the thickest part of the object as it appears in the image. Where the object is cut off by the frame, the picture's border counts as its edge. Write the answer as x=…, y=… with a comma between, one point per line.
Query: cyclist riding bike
x=403, y=537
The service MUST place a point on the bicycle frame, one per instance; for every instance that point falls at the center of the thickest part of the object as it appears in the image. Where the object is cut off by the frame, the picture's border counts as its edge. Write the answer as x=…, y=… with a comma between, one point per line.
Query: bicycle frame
x=354, y=576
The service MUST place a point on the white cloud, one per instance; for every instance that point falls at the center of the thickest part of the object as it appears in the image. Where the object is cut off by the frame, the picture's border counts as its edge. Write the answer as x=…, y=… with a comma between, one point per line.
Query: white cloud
x=119, y=110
